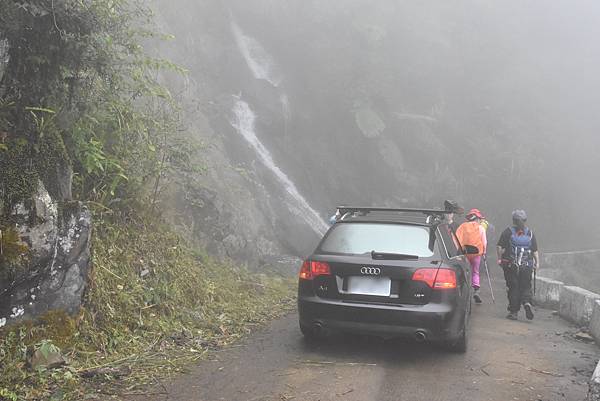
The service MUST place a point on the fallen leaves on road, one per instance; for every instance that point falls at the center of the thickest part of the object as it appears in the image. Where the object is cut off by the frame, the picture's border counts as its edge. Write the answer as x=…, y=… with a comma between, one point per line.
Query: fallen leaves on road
x=545, y=372
x=482, y=369
x=583, y=336
x=310, y=362
x=345, y=392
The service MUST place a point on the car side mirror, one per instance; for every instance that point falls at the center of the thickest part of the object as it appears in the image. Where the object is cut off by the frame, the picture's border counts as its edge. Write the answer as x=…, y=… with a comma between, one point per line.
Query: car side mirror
x=470, y=250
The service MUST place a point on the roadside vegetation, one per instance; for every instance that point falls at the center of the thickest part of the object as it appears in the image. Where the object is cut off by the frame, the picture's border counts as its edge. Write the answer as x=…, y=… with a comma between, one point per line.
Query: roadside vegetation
x=154, y=305
x=79, y=92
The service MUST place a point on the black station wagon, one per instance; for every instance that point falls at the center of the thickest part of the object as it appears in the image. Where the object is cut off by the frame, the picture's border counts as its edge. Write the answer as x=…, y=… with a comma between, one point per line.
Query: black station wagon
x=389, y=273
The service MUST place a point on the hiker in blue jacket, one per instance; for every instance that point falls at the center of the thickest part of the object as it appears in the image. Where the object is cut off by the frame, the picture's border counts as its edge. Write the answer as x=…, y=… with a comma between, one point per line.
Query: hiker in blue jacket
x=518, y=256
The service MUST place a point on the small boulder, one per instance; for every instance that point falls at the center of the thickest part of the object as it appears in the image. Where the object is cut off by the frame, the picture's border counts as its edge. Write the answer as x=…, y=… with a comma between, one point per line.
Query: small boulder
x=46, y=356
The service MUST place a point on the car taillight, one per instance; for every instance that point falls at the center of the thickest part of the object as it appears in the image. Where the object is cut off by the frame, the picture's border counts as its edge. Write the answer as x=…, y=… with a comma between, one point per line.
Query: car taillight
x=446, y=278
x=436, y=278
x=311, y=269
x=305, y=271
x=425, y=275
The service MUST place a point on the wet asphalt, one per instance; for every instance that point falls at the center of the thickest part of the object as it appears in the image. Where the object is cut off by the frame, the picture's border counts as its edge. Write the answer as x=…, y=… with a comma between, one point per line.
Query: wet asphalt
x=506, y=360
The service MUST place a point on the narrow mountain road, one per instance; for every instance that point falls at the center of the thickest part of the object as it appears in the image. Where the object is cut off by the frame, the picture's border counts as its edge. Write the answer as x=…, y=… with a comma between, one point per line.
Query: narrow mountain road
x=506, y=360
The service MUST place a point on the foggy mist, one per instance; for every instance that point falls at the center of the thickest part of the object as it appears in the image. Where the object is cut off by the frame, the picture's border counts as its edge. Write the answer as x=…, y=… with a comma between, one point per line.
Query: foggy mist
x=406, y=104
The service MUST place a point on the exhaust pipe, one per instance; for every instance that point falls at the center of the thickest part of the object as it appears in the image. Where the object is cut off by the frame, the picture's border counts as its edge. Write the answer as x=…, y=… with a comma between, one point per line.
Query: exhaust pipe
x=317, y=328
x=420, y=336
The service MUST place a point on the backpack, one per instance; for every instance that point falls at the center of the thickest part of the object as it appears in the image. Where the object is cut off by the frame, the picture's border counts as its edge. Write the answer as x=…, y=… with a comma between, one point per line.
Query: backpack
x=520, y=244
x=469, y=234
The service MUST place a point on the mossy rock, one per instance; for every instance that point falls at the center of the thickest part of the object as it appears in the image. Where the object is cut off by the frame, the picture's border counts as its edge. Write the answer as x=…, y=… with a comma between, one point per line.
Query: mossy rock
x=53, y=164
x=24, y=163
x=14, y=253
x=59, y=327
x=19, y=177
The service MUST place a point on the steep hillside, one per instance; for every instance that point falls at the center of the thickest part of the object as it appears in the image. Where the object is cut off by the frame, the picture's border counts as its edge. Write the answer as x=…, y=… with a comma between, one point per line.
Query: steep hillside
x=305, y=105
x=153, y=305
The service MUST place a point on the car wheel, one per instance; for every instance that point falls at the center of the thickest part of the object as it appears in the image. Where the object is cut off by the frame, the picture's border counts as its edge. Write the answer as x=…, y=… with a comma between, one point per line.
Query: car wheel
x=460, y=346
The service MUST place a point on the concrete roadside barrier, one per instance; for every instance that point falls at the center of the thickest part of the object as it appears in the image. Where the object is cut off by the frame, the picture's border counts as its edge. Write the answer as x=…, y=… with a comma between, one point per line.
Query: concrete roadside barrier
x=594, y=385
x=594, y=391
x=576, y=304
x=595, y=322
x=547, y=292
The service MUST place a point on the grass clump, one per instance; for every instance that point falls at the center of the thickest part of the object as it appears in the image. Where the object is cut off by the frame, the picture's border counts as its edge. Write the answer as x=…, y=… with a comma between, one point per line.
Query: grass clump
x=154, y=305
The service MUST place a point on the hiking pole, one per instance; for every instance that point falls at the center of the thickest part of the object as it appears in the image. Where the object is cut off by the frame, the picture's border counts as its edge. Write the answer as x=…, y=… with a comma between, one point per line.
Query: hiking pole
x=487, y=271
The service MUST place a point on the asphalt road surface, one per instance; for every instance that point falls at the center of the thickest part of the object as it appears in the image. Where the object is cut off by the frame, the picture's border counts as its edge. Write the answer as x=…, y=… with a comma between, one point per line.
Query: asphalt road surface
x=506, y=360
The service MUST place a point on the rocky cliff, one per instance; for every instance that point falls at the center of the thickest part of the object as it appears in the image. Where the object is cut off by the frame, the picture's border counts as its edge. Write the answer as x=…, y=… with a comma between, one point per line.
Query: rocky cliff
x=50, y=269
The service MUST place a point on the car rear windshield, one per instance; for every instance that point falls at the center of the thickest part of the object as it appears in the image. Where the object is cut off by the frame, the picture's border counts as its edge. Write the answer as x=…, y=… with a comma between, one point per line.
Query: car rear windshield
x=360, y=238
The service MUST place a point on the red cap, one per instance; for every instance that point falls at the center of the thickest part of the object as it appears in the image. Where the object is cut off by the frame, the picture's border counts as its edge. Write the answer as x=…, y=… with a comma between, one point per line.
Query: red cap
x=475, y=212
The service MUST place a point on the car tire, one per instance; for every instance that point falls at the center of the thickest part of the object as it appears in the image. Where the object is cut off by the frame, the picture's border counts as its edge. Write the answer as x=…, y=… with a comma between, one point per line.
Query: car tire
x=460, y=346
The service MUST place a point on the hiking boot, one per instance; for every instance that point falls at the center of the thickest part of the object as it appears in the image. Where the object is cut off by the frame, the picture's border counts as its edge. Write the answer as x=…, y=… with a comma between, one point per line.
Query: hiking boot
x=512, y=316
x=477, y=297
x=528, y=310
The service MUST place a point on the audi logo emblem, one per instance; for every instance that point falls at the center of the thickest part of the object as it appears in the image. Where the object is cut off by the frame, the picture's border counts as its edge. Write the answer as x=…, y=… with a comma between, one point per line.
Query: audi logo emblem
x=374, y=271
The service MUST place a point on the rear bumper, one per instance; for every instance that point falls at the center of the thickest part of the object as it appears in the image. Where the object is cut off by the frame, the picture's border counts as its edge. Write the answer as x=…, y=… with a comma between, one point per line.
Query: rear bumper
x=439, y=322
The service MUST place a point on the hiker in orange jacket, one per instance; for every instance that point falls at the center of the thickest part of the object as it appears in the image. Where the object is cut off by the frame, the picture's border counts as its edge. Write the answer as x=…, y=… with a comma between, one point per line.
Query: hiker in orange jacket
x=473, y=233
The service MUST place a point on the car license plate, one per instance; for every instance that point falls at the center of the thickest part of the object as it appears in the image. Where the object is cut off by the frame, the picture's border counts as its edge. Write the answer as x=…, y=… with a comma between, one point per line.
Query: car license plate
x=369, y=285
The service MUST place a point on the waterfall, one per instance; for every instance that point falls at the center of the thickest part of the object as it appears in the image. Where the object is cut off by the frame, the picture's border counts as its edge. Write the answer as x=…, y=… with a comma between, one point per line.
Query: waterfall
x=259, y=61
x=244, y=124
x=286, y=111
x=263, y=67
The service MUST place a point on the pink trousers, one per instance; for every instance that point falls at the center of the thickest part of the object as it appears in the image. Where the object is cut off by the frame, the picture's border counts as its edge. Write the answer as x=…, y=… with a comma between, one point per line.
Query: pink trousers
x=475, y=263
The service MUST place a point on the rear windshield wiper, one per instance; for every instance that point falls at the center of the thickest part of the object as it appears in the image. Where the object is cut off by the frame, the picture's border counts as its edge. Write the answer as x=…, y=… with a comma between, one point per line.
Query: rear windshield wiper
x=392, y=256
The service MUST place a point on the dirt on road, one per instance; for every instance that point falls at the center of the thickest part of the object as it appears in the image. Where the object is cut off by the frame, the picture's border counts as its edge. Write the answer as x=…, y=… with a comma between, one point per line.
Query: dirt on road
x=506, y=360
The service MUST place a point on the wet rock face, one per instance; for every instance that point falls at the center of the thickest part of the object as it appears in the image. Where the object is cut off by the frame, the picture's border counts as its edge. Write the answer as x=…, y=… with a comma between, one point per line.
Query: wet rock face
x=58, y=239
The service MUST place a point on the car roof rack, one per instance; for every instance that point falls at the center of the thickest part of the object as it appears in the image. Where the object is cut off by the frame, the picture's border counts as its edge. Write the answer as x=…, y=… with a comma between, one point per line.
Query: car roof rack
x=366, y=210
